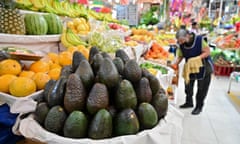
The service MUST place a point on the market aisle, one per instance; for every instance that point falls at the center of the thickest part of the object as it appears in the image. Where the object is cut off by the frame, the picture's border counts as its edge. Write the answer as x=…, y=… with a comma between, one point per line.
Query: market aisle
x=219, y=121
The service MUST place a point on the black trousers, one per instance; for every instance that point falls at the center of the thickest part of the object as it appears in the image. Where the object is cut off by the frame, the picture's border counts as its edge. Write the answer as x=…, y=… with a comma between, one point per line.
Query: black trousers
x=202, y=90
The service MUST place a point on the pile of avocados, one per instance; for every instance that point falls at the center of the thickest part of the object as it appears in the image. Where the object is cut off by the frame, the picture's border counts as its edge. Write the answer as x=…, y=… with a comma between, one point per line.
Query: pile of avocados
x=101, y=98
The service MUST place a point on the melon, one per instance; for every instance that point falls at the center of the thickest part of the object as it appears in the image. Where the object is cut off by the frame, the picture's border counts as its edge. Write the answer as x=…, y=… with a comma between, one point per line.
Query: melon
x=35, y=24
x=55, y=25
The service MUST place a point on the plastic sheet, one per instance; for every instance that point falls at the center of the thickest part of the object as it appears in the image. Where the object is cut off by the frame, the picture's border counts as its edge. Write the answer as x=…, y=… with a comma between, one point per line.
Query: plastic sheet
x=168, y=131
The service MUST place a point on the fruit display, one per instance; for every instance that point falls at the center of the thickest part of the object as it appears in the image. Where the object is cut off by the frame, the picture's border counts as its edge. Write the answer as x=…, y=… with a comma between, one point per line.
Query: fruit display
x=11, y=21
x=105, y=41
x=151, y=67
x=229, y=41
x=141, y=35
x=101, y=98
x=79, y=26
x=70, y=39
x=157, y=52
x=165, y=39
x=35, y=24
x=227, y=58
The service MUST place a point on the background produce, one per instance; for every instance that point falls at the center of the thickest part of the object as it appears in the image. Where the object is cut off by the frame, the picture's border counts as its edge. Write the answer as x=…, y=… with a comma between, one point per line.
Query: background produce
x=101, y=98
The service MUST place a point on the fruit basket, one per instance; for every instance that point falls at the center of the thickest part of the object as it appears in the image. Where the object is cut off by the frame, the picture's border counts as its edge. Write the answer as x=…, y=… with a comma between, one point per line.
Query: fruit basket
x=168, y=131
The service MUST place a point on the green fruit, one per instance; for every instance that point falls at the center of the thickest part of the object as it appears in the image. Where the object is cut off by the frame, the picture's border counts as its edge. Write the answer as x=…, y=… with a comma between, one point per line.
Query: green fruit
x=122, y=54
x=143, y=91
x=108, y=73
x=125, y=96
x=147, y=116
x=119, y=65
x=75, y=96
x=41, y=112
x=86, y=74
x=126, y=123
x=98, y=98
x=35, y=24
x=101, y=125
x=55, y=119
x=96, y=62
x=55, y=25
x=154, y=84
x=93, y=51
x=75, y=125
x=160, y=103
x=77, y=58
x=132, y=71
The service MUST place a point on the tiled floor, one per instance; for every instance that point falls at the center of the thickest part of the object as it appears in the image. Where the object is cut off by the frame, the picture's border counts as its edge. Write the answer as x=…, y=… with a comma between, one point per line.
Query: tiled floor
x=219, y=123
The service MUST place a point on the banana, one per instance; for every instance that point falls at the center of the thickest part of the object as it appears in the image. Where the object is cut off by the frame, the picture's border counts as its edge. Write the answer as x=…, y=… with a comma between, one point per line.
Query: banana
x=58, y=8
x=64, y=40
x=23, y=4
x=73, y=38
x=48, y=6
x=37, y=4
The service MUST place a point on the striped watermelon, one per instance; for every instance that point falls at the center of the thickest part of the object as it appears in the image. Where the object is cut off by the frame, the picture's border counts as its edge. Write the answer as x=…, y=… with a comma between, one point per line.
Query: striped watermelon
x=35, y=24
x=55, y=25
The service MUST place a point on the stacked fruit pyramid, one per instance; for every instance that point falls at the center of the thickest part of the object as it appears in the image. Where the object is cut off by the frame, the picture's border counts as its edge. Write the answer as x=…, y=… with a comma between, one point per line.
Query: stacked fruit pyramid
x=101, y=98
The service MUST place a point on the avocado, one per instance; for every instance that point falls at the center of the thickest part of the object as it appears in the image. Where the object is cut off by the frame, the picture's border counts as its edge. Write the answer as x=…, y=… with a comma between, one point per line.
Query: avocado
x=112, y=110
x=56, y=93
x=108, y=73
x=47, y=88
x=119, y=65
x=143, y=91
x=41, y=112
x=132, y=71
x=122, y=54
x=101, y=125
x=77, y=58
x=147, y=116
x=55, y=119
x=160, y=103
x=75, y=96
x=86, y=74
x=145, y=72
x=106, y=55
x=93, y=51
x=96, y=62
x=98, y=98
x=126, y=123
x=154, y=84
x=66, y=71
x=76, y=125
x=125, y=96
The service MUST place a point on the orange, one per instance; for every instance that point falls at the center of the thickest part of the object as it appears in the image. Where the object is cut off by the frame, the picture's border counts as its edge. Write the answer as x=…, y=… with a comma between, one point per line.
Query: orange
x=85, y=52
x=54, y=73
x=41, y=79
x=39, y=66
x=28, y=74
x=10, y=66
x=72, y=49
x=53, y=57
x=22, y=86
x=65, y=58
x=5, y=81
x=54, y=65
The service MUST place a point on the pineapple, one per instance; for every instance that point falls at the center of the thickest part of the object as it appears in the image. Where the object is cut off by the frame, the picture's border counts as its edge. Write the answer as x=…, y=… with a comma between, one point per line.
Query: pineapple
x=11, y=21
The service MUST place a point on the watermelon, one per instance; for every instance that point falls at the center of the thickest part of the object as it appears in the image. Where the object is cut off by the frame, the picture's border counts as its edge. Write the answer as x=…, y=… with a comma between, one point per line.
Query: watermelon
x=35, y=24
x=55, y=25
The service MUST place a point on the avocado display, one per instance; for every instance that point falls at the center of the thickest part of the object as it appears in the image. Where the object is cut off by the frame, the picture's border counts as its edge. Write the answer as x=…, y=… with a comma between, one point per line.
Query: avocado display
x=125, y=96
x=76, y=125
x=101, y=98
x=147, y=116
x=77, y=58
x=55, y=119
x=126, y=123
x=86, y=74
x=132, y=71
x=98, y=98
x=75, y=95
x=143, y=91
x=108, y=73
x=101, y=125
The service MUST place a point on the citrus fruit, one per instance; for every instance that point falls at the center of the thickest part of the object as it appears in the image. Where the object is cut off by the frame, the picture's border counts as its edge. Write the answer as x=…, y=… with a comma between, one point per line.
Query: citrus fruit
x=5, y=81
x=39, y=66
x=65, y=58
x=10, y=66
x=28, y=74
x=41, y=79
x=54, y=73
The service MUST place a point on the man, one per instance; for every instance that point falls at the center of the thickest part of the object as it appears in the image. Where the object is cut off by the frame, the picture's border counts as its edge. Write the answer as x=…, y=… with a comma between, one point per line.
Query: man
x=194, y=48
